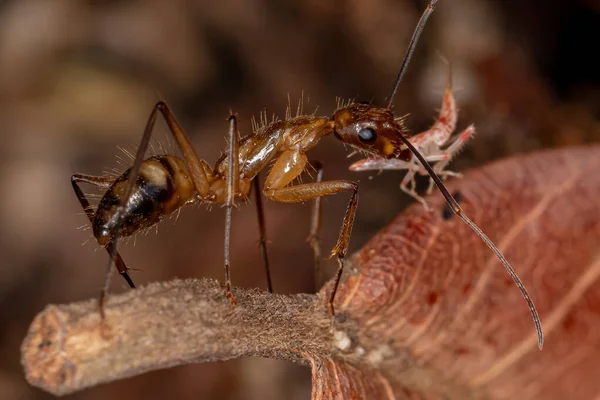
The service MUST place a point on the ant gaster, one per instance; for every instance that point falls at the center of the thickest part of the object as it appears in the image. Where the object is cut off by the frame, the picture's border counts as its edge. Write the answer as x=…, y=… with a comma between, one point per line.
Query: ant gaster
x=156, y=187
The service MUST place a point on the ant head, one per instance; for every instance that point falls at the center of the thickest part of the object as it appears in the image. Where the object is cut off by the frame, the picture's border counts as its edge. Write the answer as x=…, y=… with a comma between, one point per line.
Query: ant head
x=370, y=129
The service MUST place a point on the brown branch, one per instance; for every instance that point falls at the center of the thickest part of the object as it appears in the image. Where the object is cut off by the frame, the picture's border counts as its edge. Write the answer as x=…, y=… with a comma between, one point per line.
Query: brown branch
x=69, y=347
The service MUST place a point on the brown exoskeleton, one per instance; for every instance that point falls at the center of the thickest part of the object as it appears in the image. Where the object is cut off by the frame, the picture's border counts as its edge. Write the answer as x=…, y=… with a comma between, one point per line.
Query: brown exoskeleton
x=158, y=186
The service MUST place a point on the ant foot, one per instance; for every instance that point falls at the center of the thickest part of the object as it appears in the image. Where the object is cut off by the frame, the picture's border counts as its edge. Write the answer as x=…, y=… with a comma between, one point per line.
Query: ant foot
x=101, y=306
x=232, y=299
x=331, y=309
x=262, y=242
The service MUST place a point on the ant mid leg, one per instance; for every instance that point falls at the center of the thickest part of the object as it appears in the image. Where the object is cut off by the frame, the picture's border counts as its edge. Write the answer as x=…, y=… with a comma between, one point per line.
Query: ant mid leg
x=262, y=230
x=315, y=228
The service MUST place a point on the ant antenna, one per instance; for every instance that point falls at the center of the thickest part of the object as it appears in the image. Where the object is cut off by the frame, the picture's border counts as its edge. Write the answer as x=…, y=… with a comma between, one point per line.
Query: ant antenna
x=458, y=211
x=449, y=199
x=411, y=48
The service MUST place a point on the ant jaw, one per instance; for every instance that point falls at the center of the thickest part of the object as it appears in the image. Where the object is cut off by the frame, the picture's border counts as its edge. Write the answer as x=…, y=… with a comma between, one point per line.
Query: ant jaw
x=375, y=158
x=403, y=154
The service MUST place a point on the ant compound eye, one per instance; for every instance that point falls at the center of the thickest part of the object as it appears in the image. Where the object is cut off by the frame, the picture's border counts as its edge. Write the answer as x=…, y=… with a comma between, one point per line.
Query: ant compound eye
x=367, y=135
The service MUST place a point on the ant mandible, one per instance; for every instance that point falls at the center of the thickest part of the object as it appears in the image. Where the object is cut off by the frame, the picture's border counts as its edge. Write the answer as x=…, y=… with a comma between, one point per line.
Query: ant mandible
x=158, y=186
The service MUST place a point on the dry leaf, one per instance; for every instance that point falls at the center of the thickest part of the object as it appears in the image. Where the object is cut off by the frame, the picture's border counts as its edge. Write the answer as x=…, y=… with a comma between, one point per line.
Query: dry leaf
x=440, y=315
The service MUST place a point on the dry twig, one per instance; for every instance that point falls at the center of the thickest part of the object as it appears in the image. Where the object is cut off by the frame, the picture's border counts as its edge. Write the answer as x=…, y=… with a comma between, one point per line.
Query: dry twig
x=69, y=347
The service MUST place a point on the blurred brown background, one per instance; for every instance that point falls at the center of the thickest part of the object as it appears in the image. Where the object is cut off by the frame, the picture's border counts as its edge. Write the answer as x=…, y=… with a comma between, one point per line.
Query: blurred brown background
x=79, y=78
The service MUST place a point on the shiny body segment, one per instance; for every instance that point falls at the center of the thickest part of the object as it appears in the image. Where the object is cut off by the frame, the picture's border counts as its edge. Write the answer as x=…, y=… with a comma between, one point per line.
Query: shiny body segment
x=162, y=187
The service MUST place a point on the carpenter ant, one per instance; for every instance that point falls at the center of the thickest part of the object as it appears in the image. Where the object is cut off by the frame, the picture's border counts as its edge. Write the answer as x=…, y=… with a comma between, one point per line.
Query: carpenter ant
x=157, y=186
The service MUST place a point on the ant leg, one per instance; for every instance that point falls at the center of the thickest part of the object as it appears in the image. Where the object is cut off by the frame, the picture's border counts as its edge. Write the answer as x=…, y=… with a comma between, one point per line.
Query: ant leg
x=233, y=172
x=315, y=228
x=101, y=182
x=343, y=241
x=288, y=166
x=262, y=230
x=200, y=171
x=104, y=183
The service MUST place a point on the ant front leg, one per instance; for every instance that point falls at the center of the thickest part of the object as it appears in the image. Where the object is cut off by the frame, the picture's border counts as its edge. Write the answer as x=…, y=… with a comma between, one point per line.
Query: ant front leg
x=288, y=166
x=103, y=183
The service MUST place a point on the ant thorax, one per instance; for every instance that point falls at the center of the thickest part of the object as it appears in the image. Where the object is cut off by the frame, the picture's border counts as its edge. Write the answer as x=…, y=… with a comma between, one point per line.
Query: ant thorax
x=301, y=133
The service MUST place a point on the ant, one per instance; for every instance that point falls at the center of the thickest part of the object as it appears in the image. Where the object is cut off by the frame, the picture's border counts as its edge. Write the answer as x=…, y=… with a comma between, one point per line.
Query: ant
x=158, y=186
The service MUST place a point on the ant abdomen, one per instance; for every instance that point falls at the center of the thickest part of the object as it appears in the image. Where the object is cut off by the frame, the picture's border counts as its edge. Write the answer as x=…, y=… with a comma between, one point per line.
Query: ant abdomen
x=163, y=185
